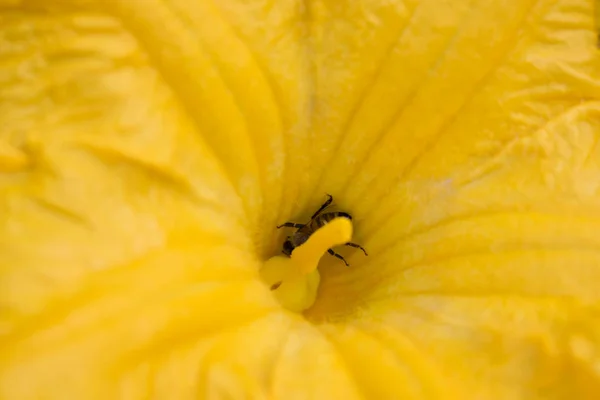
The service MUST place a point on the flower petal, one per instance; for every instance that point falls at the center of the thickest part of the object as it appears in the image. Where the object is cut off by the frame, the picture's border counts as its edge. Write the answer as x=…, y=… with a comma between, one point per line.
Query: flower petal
x=492, y=186
x=122, y=229
x=462, y=138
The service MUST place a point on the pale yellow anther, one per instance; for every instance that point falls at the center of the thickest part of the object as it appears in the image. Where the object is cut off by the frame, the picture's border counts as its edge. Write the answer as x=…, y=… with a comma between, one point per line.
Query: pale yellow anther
x=335, y=233
x=295, y=280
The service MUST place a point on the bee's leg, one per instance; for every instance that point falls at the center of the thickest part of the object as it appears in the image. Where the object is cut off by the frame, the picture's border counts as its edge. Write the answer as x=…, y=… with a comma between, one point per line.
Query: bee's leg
x=333, y=253
x=357, y=246
x=324, y=206
x=290, y=225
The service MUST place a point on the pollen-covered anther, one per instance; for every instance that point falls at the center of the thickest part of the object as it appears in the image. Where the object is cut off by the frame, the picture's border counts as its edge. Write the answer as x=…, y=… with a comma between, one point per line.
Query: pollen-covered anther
x=294, y=280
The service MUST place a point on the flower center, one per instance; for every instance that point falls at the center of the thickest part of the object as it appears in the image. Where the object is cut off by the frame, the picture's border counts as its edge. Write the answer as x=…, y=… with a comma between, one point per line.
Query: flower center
x=295, y=280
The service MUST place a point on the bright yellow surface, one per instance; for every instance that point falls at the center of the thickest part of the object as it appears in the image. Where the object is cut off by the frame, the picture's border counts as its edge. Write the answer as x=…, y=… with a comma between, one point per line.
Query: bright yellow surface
x=149, y=148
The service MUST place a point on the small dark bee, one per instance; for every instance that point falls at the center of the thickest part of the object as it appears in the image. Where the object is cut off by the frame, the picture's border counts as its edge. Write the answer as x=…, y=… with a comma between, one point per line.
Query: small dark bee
x=318, y=220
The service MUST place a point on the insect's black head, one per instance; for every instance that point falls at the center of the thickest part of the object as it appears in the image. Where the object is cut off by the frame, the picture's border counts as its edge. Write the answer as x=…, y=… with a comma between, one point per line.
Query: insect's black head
x=288, y=247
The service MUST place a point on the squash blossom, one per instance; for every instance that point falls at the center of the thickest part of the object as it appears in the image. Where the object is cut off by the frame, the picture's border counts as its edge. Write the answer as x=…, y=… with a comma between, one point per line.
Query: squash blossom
x=150, y=148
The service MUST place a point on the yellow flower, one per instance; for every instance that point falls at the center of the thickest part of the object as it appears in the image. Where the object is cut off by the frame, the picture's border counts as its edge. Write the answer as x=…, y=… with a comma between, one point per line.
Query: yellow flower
x=149, y=149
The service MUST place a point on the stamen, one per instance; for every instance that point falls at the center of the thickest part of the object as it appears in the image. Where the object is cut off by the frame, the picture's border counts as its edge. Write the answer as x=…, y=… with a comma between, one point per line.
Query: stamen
x=295, y=280
x=335, y=233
